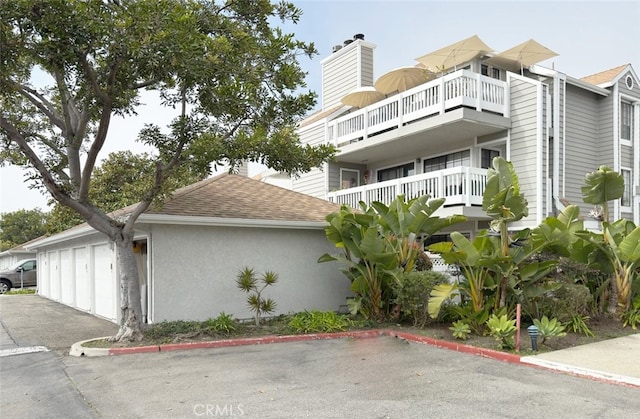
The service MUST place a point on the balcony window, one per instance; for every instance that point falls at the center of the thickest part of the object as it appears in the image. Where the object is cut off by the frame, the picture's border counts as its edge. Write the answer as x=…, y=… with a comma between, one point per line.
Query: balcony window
x=626, y=121
x=486, y=158
x=349, y=178
x=460, y=158
x=396, y=172
x=626, y=196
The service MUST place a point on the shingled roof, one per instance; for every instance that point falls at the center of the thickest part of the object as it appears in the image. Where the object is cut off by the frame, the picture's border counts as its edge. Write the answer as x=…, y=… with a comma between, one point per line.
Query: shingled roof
x=239, y=197
x=606, y=76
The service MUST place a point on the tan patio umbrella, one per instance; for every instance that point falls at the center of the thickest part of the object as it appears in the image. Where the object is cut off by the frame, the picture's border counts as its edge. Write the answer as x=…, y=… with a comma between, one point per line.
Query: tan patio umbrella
x=403, y=78
x=455, y=54
x=524, y=55
x=362, y=97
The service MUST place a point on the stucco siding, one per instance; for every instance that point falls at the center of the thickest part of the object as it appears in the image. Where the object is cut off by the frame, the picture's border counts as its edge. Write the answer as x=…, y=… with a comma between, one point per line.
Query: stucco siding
x=195, y=269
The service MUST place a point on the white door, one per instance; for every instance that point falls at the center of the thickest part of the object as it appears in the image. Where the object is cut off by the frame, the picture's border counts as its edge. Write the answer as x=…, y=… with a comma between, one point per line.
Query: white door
x=104, y=282
x=54, y=275
x=67, y=284
x=82, y=279
x=43, y=275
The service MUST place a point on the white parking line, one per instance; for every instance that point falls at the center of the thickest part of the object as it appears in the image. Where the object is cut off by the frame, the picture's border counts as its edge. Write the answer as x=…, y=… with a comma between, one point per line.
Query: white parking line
x=23, y=350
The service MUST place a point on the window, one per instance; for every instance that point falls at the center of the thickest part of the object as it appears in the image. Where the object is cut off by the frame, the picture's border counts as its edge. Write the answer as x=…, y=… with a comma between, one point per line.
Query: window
x=349, y=178
x=486, y=158
x=461, y=158
x=492, y=72
x=626, y=121
x=626, y=196
x=396, y=172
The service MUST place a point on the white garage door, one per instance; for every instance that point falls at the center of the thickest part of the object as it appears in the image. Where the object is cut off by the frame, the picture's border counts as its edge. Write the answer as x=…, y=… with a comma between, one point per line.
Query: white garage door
x=81, y=276
x=104, y=281
x=43, y=275
x=54, y=275
x=68, y=291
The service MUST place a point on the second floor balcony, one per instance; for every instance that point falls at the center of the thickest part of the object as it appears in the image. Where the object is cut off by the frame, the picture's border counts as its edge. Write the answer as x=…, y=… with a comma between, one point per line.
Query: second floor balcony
x=461, y=89
x=462, y=188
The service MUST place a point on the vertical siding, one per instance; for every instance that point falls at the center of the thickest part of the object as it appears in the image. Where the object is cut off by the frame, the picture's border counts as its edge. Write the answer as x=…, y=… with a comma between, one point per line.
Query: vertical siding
x=524, y=133
x=313, y=182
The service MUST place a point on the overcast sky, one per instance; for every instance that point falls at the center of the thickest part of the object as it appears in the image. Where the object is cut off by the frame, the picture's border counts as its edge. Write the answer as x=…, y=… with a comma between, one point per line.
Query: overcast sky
x=589, y=37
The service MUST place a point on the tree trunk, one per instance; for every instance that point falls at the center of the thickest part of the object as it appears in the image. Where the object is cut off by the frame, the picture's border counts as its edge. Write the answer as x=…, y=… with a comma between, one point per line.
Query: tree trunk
x=613, y=296
x=130, y=304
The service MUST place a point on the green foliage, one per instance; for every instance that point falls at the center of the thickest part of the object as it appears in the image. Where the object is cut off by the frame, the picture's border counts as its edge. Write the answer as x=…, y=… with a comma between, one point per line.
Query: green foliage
x=578, y=324
x=502, y=329
x=318, y=322
x=602, y=186
x=249, y=282
x=166, y=329
x=19, y=227
x=423, y=262
x=20, y=291
x=413, y=291
x=460, y=330
x=549, y=328
x=224, y=323
x=226, y=72
x=378, y=244
x=121, y=180
x=632, y=316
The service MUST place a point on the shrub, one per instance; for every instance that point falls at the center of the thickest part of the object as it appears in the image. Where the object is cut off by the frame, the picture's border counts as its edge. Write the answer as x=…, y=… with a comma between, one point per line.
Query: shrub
x=423, y=262
x=224, y=323
x=413, y=291
x=166, y=329
x=549, y=328
x=502, y=329
x=460, y=330
x=318, y=322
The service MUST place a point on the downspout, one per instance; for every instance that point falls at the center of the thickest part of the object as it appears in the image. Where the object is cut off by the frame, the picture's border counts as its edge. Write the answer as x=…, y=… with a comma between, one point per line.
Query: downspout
x=616, y=144
x=636, y=167
x=556, y=135
x=539, y=145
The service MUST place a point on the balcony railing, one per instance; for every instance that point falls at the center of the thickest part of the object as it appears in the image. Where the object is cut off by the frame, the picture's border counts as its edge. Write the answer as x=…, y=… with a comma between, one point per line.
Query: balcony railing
x=459, y=185
x=462, y=88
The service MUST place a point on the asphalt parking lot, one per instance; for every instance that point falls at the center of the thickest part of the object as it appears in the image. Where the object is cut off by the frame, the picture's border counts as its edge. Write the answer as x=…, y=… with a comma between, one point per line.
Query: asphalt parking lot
x=380, y=377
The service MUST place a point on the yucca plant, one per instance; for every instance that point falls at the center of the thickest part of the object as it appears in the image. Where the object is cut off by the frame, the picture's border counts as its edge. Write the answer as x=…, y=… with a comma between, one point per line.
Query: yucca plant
x=249, y=282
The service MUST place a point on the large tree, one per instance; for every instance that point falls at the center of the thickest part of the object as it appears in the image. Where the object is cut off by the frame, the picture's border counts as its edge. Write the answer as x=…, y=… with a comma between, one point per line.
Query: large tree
x=230, y=74
x=19, y=227
x=120, y=181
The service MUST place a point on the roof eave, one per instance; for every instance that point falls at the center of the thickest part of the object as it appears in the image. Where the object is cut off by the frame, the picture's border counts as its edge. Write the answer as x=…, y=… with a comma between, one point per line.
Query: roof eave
x=229, y=222
x=588, y=86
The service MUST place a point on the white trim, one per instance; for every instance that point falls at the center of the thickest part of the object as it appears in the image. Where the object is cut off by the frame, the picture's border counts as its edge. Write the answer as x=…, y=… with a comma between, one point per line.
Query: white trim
x=628, y=208
x=616, y=142
x=636, y=159
x=556, y=134
x=539, y=157
x=588, y=86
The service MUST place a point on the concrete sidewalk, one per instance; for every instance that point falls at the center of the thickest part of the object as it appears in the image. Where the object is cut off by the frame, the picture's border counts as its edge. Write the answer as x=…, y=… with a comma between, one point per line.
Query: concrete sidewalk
x=615, y=360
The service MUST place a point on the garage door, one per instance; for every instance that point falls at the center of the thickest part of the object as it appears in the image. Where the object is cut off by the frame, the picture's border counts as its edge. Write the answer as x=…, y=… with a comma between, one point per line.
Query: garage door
x=104, y=280
x=43, y=275
x=82, y=279
x=54, y=275
x=67, y=292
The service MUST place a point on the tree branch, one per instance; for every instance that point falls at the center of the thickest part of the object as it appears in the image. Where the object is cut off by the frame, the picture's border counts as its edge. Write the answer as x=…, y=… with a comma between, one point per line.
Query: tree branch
x=40, y=102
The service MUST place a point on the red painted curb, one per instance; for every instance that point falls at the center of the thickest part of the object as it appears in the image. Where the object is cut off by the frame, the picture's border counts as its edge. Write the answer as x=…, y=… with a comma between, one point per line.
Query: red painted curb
x=265, y=340
x=484, y=352
x=134, y=350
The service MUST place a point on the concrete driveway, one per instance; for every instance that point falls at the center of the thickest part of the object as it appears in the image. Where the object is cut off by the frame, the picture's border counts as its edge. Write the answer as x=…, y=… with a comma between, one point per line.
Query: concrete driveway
x=379, y=377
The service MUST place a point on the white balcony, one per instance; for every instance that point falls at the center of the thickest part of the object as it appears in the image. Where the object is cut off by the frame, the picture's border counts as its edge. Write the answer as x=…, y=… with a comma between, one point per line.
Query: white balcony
x=460, y=186
x=462, y=88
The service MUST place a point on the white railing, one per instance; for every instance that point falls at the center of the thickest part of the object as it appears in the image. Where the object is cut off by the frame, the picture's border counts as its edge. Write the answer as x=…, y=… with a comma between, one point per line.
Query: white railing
x=458, y=185
x=462, y=88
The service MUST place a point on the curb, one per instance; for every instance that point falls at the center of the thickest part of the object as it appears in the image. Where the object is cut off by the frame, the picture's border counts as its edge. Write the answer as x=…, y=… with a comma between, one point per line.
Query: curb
x=78, y=350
